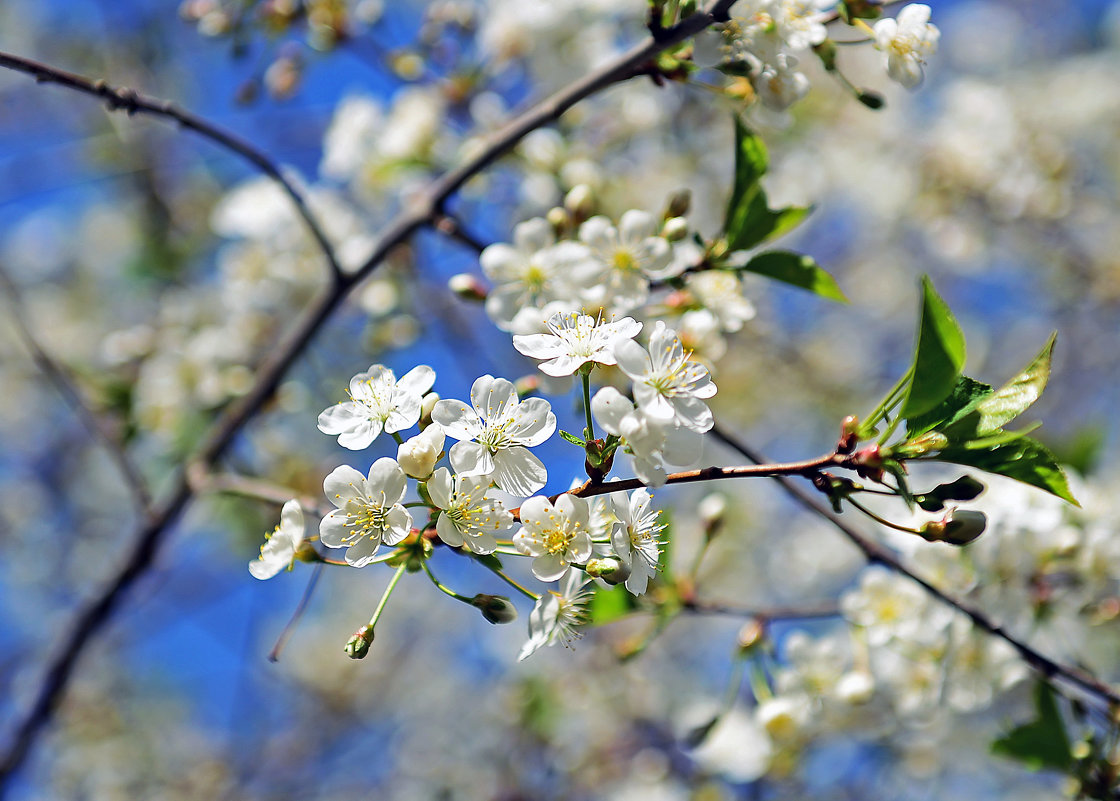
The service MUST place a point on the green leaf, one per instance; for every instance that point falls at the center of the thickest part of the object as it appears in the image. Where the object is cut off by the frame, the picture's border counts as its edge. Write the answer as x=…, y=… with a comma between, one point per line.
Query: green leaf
x=610, y=604
x=751, y=162
x=797, y=270
x=1023, y=459
x=999, y=438
x=1042, y=743
x=749, y=219
x=964, y=393
x=989, y=413
x=572, y=438
x=938, y=357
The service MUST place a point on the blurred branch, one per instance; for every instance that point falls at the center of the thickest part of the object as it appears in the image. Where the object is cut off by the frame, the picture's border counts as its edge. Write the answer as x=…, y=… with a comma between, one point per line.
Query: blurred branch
x=879, y=554
x=97, y=613
x=203, y=481
x=765, y=614
x=100, y=429
x=132, y=102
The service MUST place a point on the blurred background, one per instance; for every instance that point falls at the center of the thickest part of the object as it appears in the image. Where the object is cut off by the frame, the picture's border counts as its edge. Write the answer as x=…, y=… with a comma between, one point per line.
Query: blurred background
x=159, y=268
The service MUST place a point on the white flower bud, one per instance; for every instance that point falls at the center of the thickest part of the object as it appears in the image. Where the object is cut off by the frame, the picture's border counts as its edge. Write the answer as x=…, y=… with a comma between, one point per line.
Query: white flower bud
x=427, y=403
x=417, y=456
x=855, y=687
x=782, y=718
x=467, y=286
x=612, y=571
x=675, y=229
x=580, y=201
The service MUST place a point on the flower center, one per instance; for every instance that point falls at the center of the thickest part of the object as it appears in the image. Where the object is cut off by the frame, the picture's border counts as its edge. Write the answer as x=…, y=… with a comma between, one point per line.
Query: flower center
x=624, y=261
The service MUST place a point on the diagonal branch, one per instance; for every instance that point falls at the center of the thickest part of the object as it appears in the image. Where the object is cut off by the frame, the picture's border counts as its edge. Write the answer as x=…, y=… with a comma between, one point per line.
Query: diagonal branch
x=132, y=102
x=877, y=553
x=99, y=428
x=96, y=614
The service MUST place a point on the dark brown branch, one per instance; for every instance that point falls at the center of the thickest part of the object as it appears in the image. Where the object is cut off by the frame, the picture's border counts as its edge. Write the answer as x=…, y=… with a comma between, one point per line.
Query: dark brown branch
x=93, y=617
x=132, y=102
x=763, y=614
x=100, y=429
x=877, y=553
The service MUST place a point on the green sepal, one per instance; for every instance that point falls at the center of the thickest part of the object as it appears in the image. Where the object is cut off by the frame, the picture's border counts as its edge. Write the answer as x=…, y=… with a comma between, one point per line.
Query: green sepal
x=797, y=270
x=938, y=356
x=572, y=438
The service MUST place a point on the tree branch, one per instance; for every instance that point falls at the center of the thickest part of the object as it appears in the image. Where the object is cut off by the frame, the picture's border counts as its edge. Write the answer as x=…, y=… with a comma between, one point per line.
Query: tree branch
x=93, y=617
x=101, y=431
x=877, y=553
x=132, y=102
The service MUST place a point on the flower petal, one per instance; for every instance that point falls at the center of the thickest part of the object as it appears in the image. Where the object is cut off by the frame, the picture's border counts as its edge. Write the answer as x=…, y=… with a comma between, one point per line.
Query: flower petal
x=519, y=472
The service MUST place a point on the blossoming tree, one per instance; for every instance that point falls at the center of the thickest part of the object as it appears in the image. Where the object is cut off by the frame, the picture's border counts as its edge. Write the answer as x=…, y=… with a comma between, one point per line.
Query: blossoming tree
x=572, y=406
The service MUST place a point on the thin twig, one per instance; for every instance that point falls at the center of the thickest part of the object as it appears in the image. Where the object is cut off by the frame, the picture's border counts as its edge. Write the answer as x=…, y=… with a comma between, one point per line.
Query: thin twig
x=94, y=616
x=132, y=102
x=203, y=482
x=99, y=428
x=764, y=614
x=878, y=554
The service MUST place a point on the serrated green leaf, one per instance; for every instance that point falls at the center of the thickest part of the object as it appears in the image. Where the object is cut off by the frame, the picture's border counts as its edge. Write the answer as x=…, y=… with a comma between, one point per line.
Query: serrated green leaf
x=965, y=392
x=607, y=605
x=1024, y=459
x=989, y=413
x=938, y=357
x=1042, y=743
x=797, y=270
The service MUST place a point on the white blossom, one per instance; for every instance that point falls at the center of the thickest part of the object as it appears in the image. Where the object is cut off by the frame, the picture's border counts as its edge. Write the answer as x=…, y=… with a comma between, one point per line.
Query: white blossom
x=279, y=548
x=495, y=435
x=557, y=615
x=628, y=257
x=555, y=535
x=532, y=272
x=575, y=339
x=634, y=537
x=369, y=510
x=417, y=455
x=907, y=41
x=652, y=443
x=378, y=401
x=668, y=385
x=467, y=516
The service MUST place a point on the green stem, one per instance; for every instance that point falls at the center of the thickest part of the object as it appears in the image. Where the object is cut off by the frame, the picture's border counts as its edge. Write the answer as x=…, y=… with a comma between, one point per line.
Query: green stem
x=738, y=665
x=385, y=595
x=497, y=571
x=881, y=520
x=396, y=435
x=443, y=587
x=589, y=434
x=888, y=402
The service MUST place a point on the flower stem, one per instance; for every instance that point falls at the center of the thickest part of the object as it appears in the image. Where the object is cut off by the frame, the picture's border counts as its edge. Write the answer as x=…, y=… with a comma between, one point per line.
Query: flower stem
x=398, y=438
x=502, y=575
x=879, y=519
x=443, y=587
x=385, y=596
x=888, y=402
x=589, y=434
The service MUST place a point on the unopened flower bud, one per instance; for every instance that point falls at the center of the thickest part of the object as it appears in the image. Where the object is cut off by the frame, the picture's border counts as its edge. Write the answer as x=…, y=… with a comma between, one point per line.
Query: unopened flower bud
x=930, y=442
x=612, y=571
x=417, y=456
x=580, y=202
x=675, y=229
x=559, y=219
x=428, y=403
x=526, y=385
x=358, y=646
x=712, y=509
x=679, y=204
x=956, y=527
x=495, y=608
x=750, y=635
x=467, y=286
x=855, y=687
x=781, y=718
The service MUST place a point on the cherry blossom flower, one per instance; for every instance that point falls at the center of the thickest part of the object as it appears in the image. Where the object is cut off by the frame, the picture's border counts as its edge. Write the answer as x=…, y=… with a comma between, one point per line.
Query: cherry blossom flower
x=495, y=435
x=668, y=386
x=554, y=535
x=628, y=257
x=467, y=516
x=634, y=538
x=279, y=549
x=575, y=339
x=417, y=455
x=378, y=402
x=556, y=615
x=907, y=41
x=652, y=443
x=369, y=510
x=533, y=271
